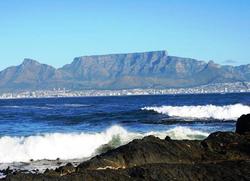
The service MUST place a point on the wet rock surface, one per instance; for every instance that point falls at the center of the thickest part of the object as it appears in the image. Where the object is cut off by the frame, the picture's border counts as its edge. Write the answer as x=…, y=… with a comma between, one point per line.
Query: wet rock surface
x=243, y=124
x=221, y=156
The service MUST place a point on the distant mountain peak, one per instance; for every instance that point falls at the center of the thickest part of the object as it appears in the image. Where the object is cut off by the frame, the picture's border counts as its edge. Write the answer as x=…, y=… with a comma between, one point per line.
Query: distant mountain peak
x=211, y=63
x=29, y=61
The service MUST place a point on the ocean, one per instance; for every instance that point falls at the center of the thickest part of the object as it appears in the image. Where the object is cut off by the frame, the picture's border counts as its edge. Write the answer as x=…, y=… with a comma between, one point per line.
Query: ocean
x=46, y=133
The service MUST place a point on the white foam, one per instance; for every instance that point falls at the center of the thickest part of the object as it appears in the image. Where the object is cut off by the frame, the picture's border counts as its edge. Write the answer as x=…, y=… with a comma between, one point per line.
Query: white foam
x=180, y=133
x=228, y=112
x=76, y=146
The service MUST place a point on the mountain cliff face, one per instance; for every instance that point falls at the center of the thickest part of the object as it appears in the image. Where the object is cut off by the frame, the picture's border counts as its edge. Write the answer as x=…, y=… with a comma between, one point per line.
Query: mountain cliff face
x=120, y=71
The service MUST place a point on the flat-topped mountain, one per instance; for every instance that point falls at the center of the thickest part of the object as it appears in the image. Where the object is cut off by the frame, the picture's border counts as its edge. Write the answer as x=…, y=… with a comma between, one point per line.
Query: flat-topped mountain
x=121, y=71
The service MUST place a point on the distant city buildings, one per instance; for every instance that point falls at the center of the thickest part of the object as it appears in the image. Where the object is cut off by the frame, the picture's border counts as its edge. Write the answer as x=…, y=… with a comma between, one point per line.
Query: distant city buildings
x=206, y=89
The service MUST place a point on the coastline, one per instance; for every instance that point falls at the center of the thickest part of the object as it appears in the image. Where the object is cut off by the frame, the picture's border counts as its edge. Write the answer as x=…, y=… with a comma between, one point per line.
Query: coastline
x=222, y=155
x=217, y=88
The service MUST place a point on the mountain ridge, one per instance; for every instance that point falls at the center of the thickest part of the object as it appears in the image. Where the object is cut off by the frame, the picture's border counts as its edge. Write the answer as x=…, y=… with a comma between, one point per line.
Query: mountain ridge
x=155, y=69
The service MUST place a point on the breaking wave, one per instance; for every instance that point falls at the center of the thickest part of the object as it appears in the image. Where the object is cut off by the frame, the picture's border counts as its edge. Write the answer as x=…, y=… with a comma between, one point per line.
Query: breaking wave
x=227, y=112
x=77, y=145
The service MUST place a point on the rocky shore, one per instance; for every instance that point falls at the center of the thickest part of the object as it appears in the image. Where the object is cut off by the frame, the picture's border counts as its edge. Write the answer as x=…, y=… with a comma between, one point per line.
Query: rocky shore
x=221, y=156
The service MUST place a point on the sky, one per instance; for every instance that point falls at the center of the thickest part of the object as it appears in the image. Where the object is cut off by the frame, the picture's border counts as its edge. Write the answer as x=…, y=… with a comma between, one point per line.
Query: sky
x=55, y=31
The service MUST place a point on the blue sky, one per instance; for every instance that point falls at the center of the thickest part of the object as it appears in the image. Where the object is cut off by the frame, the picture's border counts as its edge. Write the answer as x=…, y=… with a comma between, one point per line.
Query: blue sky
x=56, y=31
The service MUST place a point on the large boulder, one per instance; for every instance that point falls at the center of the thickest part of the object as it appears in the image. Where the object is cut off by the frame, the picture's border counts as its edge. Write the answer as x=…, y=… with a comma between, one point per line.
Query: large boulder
x=243, y=124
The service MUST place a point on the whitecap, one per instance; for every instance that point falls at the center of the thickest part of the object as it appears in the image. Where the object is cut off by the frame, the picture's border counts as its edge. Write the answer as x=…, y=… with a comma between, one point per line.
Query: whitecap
x=227, y=112
x=68, y=146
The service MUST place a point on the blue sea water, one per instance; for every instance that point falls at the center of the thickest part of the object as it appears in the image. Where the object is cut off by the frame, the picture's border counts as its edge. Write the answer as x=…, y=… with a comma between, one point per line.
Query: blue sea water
x=24, y=117
x=40, y=129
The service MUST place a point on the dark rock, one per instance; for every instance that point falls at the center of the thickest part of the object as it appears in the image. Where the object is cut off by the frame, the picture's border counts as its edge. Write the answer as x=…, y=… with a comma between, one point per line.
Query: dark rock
x=243, y=124
x=226, y=146
x=167, y=138
x=224, y=170
x=150, y=149
x=221, y=156
x=7, y=171
x=64, y=170
x=218, y=146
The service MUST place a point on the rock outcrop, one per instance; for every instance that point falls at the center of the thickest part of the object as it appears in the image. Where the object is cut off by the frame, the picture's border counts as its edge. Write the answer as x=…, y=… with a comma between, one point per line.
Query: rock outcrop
x=243, y=124
x=221, y=156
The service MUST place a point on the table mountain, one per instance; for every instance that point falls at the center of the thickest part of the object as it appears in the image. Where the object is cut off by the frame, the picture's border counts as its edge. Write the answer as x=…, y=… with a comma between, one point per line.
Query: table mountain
x=121, y=71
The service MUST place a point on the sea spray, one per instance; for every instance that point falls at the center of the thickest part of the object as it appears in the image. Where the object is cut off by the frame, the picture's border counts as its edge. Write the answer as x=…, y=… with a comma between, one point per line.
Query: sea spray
x=78, y=145
x=227, y=112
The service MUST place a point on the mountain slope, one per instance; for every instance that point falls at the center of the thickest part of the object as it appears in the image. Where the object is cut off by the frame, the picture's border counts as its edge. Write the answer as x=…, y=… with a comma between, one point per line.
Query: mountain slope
x=29, y=75
x=121, y=71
